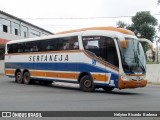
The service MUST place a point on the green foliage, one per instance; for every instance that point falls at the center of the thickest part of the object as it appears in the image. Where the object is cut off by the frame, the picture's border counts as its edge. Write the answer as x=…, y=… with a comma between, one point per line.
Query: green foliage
x=144, y=17
x=121, y=24
x=158, y=2
x=143, y=24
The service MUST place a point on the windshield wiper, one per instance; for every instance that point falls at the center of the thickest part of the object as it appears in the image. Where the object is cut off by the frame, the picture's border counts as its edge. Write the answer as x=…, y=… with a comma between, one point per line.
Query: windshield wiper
x=139, y=63
x=125, y=63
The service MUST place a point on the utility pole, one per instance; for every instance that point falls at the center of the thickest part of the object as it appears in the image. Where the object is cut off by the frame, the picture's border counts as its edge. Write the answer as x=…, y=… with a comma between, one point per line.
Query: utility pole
x=157, y=50
x=157, y=40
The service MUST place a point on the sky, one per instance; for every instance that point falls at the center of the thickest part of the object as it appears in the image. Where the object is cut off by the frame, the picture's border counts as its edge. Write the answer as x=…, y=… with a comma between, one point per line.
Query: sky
x=61, y=15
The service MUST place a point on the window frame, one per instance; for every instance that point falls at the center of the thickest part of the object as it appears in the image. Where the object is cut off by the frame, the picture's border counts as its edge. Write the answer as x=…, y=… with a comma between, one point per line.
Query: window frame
x=5, y=28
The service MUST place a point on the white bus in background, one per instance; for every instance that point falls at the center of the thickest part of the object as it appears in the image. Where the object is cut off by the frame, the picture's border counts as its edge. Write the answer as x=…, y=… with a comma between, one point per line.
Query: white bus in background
x=98, y=57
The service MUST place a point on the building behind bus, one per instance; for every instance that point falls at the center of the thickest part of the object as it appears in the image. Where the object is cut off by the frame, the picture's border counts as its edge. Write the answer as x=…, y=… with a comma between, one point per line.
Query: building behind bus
x=13, y=28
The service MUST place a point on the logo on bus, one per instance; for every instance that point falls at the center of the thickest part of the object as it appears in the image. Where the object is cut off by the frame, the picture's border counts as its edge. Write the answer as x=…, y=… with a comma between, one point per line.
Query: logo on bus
x=93, y=61
x=48, y=58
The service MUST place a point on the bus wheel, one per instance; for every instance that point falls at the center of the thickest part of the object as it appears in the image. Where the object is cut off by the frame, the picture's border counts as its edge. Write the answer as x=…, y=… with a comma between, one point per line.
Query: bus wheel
x=18, y=78
x=86, y=84
x=26, y=78
x=107, y=89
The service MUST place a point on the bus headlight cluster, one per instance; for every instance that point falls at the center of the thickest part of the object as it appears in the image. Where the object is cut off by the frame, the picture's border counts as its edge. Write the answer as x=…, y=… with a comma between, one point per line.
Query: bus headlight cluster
x=124, y=78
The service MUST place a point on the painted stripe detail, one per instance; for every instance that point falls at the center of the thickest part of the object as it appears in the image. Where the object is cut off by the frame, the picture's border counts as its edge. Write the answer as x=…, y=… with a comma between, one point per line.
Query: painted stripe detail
x=100, y=78
x=54, y=74
x=135, y=74
x=75, y=67
x=9, y=71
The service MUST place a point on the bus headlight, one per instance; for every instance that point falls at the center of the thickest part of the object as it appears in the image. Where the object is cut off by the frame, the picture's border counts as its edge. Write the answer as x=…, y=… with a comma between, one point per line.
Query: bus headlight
x=124, y=78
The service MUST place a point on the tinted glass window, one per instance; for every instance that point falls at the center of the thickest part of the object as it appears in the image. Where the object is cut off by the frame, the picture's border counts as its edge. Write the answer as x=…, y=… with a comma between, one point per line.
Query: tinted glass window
x=16, y=31
x=10, y=48
x=31, y=46
x=68, y=43
x=15, y=48
x=48, y=45
x=5, y=28
x=102, y=47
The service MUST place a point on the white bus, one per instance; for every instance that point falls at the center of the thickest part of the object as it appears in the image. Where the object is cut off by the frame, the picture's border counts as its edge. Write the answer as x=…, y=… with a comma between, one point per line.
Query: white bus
x=98, y=57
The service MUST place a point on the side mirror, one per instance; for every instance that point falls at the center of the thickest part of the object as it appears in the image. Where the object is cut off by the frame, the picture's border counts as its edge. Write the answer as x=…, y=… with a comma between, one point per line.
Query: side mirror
x=147, y=41
x=123, y=44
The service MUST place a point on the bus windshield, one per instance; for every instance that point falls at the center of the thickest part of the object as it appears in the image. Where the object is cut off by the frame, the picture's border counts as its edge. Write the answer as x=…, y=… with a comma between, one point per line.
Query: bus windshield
x=133, y=58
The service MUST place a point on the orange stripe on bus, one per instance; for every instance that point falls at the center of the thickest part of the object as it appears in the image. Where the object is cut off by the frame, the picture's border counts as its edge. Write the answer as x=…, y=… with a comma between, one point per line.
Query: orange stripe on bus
x=9, y=72
x=54, y=74
x=135, y=74
x=121, y=30
x=99, y=77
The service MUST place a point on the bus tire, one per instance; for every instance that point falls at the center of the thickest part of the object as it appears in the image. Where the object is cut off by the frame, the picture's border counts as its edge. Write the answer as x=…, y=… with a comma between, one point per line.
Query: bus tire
x=108, y=89
x=86, y=84
x=26, y=78
x=18, y=77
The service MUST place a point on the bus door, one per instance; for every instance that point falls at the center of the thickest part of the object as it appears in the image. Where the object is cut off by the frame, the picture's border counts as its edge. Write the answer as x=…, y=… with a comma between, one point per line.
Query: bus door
x=95, y=46
x=112, y=62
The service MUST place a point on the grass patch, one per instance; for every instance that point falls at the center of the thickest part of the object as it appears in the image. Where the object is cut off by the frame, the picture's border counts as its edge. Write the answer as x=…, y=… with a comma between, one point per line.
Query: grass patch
x=154, y=83
x=149, y=62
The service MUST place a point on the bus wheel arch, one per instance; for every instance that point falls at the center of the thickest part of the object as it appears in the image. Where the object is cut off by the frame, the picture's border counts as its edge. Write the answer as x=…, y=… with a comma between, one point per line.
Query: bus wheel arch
x=26, y=77
x=82, y=74
x=86, y=82
x=18, y=76
x=107, y=89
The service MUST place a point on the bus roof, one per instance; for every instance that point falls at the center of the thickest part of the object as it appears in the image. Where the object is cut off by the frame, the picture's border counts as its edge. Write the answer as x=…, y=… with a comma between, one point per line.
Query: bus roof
x=121, y=30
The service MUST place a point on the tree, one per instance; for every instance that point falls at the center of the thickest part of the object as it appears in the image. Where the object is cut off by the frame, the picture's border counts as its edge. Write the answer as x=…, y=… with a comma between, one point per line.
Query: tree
x=121, y=24
x=143, y=26
x=158, y=2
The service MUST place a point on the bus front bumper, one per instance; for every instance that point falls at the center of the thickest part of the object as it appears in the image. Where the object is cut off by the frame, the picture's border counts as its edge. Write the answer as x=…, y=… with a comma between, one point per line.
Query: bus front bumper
x=131, y=83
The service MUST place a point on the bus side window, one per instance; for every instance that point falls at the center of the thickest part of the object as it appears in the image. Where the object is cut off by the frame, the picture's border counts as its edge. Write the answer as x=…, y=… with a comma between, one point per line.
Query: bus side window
x=34, y=46
x=20, y=47
x=10, y=48
x=65, y=46
x=27, y=47
x=20, y=50
x=68, y=43
x=103, y=47
x=34, y=49
x=16, y=48
x=76, y=45
x=73, y=43
x=31, y=46
x=48, y=45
